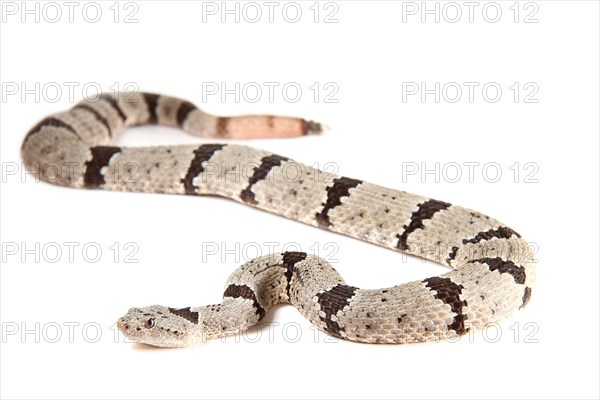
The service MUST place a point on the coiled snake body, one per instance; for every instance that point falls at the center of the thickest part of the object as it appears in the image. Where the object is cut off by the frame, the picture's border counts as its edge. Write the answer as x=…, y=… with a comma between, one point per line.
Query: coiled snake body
x=491, y=276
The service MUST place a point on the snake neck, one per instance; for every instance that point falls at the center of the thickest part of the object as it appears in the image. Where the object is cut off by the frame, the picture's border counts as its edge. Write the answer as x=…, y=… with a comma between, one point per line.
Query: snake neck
x=233, y=316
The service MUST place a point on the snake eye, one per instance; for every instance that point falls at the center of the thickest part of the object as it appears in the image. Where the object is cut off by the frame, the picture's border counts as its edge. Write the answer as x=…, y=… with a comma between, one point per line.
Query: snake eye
x=150, y=323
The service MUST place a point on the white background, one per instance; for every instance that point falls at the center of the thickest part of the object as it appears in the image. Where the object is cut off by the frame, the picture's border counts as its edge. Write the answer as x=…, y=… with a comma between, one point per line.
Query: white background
x=549, y=350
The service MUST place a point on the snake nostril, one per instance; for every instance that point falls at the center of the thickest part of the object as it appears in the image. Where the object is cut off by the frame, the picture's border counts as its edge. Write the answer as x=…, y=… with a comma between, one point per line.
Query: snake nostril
x=126, y=326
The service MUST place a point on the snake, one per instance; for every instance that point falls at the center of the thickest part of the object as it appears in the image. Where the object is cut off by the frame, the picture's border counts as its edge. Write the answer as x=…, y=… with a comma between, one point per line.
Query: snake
x=491, y=274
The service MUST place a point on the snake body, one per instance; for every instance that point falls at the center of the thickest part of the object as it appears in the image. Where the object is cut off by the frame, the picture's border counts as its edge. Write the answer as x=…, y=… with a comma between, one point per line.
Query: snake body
x=491, y=275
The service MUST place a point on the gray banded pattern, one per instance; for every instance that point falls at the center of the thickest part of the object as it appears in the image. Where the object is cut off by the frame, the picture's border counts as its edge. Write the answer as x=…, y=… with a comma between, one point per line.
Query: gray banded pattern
x=266, y=164
x=492, y=276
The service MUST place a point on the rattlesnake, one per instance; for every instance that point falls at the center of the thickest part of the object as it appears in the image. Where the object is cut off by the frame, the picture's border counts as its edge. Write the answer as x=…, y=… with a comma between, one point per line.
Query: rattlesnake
x=492, y=275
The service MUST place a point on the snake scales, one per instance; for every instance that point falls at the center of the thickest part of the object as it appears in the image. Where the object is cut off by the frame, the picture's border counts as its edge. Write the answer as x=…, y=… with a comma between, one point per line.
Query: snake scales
x=491, y=276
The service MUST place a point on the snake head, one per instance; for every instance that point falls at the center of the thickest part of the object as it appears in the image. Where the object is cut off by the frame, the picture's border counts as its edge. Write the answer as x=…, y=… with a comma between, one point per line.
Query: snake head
x=161, y=326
